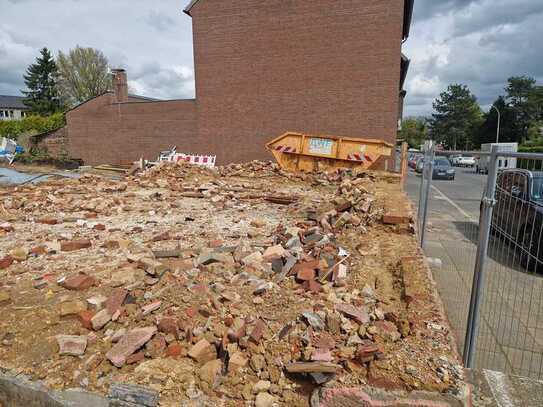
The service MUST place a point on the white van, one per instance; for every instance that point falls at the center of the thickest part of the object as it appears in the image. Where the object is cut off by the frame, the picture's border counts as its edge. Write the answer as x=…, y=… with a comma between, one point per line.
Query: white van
x=504, y=163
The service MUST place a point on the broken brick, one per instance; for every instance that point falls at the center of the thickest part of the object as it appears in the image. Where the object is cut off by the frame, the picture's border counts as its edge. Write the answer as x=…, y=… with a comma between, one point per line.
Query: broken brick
x=258, y=331
x=129, y=343
x=79, y=282
x=359, y=314
x=85, y=317
x=115, y=300
x=174, y=350
x=70, y=246
x=5, y=262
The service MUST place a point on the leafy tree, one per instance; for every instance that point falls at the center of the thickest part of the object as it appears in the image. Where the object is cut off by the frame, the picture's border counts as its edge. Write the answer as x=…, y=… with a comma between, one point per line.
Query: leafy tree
x=83, y=74
x=41, y=80
x=523, y=96
x=457, y=118
x=413, y=131
x=509, y=127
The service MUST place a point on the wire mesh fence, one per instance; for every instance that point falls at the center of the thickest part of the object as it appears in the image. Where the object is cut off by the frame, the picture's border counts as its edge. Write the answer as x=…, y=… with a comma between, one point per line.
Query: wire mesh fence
x=506, y=331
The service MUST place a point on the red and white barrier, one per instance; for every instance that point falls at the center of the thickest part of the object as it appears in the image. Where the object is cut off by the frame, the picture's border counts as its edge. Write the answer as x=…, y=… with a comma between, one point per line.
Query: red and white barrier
x=196, y=159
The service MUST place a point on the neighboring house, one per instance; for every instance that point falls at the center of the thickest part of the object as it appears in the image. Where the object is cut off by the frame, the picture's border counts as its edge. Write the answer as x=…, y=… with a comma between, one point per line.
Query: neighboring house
x=12, y=107
x=262, y=68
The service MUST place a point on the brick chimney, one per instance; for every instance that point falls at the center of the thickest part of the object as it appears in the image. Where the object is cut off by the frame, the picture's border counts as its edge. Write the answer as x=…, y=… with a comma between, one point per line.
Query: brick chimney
x=120, y=85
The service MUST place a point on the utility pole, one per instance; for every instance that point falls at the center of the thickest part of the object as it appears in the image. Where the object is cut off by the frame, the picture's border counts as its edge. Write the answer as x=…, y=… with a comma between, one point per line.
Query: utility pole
x=499, y=119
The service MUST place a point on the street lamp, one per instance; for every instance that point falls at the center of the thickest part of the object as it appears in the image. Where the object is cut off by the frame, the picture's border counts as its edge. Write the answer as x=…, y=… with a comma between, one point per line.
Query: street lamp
x=499, y=118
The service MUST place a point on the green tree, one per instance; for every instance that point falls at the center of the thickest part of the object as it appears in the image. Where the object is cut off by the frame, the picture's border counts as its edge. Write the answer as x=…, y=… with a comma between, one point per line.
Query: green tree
x=41, y=81
x=509, y=128
x=523, y=97
x=457, y=118
x=413, y=131
x=83, y=74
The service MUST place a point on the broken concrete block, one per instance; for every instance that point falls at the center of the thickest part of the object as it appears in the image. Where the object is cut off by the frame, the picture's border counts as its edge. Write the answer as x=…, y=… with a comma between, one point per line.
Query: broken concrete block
x=135, y=395
x=100, y=319
x=5, y=297
x=265, y=400
x=71, y=308
x=314, y=320
x=237, y=361
x=71, y=345
x=274, y=252
x=19, y=254
x=129, y=343
x=203, y=352
x=211, y=372
x=97, y=302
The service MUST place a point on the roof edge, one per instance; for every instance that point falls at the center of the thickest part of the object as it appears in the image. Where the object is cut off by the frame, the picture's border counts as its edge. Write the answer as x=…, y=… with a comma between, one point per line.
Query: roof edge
x=407, y=17
x=189, y=7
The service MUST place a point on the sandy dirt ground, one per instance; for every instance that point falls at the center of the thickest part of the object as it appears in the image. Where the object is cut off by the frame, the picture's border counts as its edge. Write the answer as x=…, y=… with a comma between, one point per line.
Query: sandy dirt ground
x=219, y=287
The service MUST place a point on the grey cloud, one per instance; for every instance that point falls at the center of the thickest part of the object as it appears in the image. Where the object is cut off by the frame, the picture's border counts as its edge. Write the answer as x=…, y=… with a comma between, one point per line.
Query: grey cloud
x=425, y=9
x=159, y=21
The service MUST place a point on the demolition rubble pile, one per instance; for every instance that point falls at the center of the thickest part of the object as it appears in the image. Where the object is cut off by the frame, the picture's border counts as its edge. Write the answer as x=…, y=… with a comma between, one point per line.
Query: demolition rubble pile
x=242, y=283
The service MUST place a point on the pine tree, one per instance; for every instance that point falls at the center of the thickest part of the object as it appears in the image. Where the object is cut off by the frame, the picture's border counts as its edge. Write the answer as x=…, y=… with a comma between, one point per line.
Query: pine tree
x=457, y=118
x=41, y=80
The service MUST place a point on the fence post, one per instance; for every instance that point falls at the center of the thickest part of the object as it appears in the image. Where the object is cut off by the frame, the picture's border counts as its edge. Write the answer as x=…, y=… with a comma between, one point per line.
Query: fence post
x=485, y=221
x=427, y=172
x=403, y=165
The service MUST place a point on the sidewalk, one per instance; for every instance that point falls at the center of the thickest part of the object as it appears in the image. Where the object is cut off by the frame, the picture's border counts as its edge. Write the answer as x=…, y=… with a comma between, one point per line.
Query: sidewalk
x=510, y=337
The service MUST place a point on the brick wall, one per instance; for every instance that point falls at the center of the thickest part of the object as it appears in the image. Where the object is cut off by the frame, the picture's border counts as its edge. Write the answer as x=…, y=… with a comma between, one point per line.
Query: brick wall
x=101, y=131
x=262, y=68
x=53, y=142
x=320, y=66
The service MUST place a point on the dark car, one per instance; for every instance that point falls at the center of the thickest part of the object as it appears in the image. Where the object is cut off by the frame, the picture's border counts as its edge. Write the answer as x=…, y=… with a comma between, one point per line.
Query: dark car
x=443, y=169
x=518, y=213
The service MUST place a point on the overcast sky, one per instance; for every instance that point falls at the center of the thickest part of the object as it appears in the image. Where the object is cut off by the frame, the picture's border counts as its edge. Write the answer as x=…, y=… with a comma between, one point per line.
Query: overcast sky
x=477, y=42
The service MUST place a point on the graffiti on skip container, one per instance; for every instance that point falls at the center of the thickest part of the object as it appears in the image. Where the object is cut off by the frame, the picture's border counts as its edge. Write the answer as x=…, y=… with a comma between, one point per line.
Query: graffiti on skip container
x=320, y=146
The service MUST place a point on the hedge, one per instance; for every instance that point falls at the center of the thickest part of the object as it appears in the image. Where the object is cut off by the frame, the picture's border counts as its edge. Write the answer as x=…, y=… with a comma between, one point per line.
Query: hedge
x=38, y=124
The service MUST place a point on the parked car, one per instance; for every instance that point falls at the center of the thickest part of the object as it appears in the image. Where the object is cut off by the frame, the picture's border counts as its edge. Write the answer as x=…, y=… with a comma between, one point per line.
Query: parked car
x=454, y=158
x=518, y=213
x=419, y=166
x=465, y=161
x=443, y=169
x=504, y=163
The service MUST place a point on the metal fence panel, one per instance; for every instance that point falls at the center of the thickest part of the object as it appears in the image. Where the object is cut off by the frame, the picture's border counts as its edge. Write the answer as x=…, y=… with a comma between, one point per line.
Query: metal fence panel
x=507, y=328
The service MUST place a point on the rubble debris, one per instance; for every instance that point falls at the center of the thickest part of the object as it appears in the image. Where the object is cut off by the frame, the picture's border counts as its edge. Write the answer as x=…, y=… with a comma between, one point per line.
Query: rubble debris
x=71, y=345
x=231, y=283
x=129, y=343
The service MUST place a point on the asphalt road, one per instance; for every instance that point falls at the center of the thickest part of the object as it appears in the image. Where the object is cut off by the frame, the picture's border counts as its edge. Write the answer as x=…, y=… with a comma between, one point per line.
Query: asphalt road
x=465, y=191
x=510, y=335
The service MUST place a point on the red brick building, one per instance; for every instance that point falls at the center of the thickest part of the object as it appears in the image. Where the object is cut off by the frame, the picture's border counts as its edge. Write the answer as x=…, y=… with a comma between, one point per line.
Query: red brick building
x=262, y=68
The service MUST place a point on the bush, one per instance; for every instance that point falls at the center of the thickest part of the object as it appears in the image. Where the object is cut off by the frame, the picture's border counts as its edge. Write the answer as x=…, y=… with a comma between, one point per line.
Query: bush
x=31, y=124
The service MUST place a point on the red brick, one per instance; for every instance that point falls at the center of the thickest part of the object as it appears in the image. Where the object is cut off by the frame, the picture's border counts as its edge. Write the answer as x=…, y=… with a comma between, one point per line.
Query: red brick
x=135, y=358
x=79, y=282
x=258, y=331
x=48, y=221
x=85, y=317
x=70, y=246
x=129, y=343
x=115, y=300
x=174, y=350
x=169, y=325
x=306, y=274
x=6, y=262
